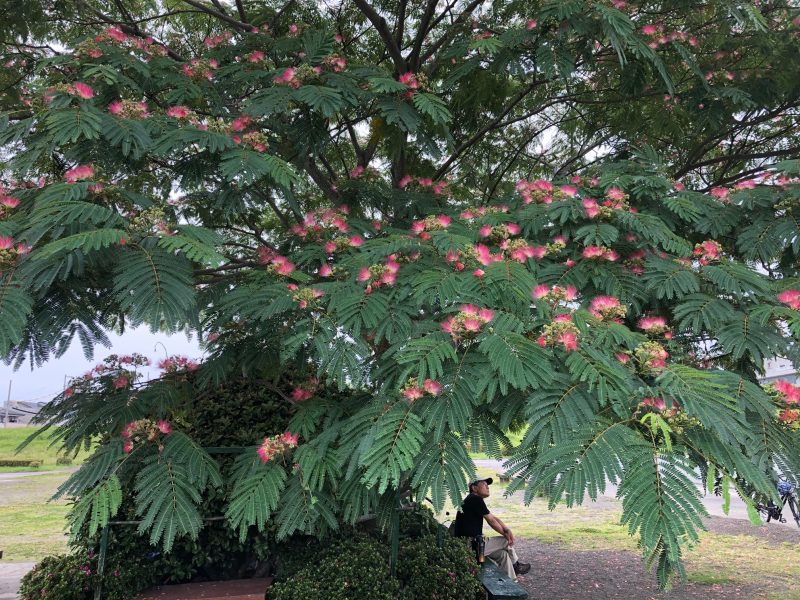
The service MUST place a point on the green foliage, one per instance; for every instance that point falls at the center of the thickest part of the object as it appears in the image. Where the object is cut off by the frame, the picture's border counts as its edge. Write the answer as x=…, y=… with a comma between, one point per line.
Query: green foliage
x=427, y=571
x=347, y=570
x=74, y=577
x=394, y=262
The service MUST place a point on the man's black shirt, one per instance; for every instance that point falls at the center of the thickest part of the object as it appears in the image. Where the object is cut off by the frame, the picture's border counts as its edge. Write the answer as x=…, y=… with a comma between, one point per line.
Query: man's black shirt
x=469, y=520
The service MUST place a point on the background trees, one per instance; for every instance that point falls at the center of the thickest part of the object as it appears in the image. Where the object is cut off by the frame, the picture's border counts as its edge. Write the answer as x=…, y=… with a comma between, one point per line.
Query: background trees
x=463, y=216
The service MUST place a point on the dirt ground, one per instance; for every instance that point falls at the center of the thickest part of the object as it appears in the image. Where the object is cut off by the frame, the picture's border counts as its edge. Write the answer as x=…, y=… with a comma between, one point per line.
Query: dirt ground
x=564, y=574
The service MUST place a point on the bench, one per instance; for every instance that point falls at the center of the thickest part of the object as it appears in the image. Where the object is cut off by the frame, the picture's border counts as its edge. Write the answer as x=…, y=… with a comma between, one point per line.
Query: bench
x=500, y=586
x=503, y=477
x=236, y=589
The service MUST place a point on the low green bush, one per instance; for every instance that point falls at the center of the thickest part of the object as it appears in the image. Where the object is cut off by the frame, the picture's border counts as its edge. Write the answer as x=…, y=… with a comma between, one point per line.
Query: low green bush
x=74, y=577
x=20, y=462
x=448, y=573
x=353, y=566
x=352, y=569
x=64, y=460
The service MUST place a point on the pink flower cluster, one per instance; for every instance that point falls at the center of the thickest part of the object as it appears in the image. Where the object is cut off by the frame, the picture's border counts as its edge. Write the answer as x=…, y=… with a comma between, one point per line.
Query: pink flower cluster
x=377, y=275
x=485, y=256
x=412, y=391
x=277, y=264
x=607, y=308
x=468, y=322
x=305, y=390
x=277, y=445
x=128, y=109
x=655, y=326
x=7, y=203
x=481, y=211
x=708, y=252
x=11, y=251
x=178, y=112
x=635, y=262
x=500, y=232
x=562, y=331
x=215, y=40
x=409, y=79
x=555, y=294
x=323, y=221
x=651, y=356
x=423, y=183
x=720, y=193
x=335, y=63
x=660, y=405
x=432, y=223
x=174, y=364
x=115, y=36
x=144, y=430
x=288, y=77
x=305, y=296
x=520, y=250
x=200, y=69
x=78, y=173
x=343, y=242
x=600, y=253
x=790, y=394
x=659, y=37
x=81, y=90
x=790, y=298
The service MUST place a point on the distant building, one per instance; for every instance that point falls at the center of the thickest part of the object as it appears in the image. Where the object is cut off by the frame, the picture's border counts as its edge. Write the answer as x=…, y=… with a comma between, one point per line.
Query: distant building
x=779, y=368
x=14, y=415
x=20, y=412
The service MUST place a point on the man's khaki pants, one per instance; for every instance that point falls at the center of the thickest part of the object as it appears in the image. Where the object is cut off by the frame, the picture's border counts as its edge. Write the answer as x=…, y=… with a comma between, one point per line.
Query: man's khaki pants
x=499, y=553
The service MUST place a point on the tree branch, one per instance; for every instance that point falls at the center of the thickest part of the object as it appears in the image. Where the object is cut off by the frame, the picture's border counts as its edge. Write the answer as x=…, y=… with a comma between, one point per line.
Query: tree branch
x=485, y=129
x=386, y=35
x=240, y=10
x=451, y=31
x=221, y=16
x=422, y=31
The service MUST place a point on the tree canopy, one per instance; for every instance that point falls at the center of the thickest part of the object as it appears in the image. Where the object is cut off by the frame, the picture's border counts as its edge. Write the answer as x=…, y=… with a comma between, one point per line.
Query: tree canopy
x=463, y=217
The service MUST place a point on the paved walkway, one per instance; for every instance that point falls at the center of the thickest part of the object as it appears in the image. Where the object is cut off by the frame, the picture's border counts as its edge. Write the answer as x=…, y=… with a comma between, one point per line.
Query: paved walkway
x=10, y=576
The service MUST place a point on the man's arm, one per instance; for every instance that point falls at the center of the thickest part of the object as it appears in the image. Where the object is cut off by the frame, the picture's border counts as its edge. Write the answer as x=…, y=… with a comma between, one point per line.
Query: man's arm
x=499, y=527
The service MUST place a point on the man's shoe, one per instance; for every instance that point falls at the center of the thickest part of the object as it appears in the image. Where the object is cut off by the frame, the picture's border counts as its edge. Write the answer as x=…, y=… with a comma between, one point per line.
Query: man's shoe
x=520, y=568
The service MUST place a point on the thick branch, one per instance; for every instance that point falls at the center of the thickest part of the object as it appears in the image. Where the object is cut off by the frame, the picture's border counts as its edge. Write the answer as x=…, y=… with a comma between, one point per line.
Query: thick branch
x=386, y=35
x=240, y=10
x=221, y=16
x=422, y=31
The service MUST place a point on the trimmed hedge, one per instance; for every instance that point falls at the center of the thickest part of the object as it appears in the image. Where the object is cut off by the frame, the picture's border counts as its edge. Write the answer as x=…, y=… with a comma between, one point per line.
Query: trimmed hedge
x=20, y=462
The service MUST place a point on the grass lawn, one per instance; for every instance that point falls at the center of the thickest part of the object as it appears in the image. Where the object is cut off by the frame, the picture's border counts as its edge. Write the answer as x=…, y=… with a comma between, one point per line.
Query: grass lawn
x=30, y=527
x=12, y=437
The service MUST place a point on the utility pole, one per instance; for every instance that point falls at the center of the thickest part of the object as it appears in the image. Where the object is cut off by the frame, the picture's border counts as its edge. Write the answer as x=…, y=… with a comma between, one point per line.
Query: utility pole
x=8, y=403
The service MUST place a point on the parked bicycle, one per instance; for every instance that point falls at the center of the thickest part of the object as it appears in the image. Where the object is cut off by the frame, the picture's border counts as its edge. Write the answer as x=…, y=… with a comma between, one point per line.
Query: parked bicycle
x=788, y=496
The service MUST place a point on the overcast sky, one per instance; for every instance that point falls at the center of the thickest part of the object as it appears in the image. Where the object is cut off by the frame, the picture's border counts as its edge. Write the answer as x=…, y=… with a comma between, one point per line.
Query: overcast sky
x=44, y=382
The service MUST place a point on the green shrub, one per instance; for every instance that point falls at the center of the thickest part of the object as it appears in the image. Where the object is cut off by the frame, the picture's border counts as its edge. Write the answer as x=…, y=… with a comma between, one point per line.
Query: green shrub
x=74, y=577
x=64, y=460
x=20, y=462
x=238, y=413
x=446, y=573
x=353, y=569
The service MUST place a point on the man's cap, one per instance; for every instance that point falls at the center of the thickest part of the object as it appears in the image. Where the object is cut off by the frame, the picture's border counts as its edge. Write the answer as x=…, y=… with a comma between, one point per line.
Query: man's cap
x=488, y=481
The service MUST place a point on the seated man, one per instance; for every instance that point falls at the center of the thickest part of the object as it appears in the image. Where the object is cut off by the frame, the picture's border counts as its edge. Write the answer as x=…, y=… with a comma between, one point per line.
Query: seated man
x=469, y=523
